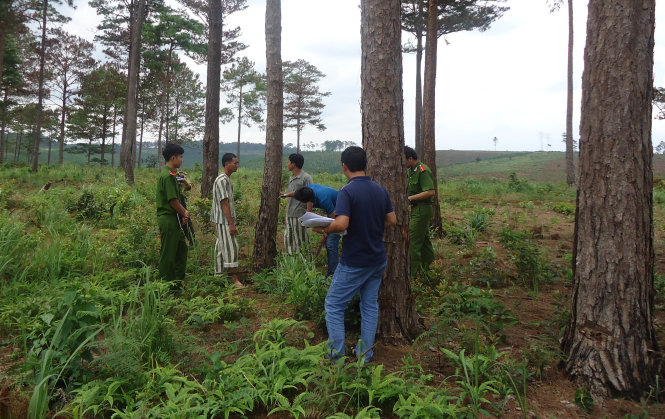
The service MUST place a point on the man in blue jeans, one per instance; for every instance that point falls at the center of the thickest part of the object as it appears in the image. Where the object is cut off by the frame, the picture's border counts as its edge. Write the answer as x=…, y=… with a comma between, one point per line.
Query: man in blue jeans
x=364, y=210
x=325, y=198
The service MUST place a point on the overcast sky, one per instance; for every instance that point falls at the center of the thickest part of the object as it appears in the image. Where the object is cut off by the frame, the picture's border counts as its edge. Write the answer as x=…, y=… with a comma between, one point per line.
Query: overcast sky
x=508, y=82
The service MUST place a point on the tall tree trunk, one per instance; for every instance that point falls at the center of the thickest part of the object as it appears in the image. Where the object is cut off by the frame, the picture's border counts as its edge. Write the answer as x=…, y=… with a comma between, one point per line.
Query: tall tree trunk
x=429, y=105
x=610, y=339
x=159, y=141
x=239, y=119
x=104, y=126
x=265, y=247
x=570, y=162
x=28, y=151
x=138, y=162
x=61, y=140
x=48, y=159
x=4, y=141
x=89, y=150
x=128, y=147
x=418, y=134
x=383, y=139
x=4, y=27
x=115, y=118
x=40, y=97
x=211, y=134
x=298, y=135
x=168, y=93
x=17, y=146
x=176, y=118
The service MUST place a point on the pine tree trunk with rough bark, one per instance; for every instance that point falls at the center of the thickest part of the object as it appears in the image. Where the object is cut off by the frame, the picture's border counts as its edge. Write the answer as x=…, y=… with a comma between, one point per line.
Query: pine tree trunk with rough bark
x=429, y=105
x=48, y=160
x=61, y=138
x=36, y=139
x=4, y=27
x=383, y=139
x=128, y=147
x=610, y=340
x=239, y=119
x=4, y=141
x=211, y=133
x=104, y=127
x=570, y=161
x=17, y=147
x=115, y=118
x=418, y=133
x=159, y=140
x=265, y=246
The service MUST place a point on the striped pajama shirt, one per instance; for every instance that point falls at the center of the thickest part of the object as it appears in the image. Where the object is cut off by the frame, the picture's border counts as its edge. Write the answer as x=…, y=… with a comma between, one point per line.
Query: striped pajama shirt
x=226, y=246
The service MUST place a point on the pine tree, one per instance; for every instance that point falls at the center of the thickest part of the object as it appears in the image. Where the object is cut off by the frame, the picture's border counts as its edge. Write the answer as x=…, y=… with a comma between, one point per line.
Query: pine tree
x=303, y=101
x=245, y=90
x=70, y=59
x=610, y=340
x=265, y=248
x=383, y=139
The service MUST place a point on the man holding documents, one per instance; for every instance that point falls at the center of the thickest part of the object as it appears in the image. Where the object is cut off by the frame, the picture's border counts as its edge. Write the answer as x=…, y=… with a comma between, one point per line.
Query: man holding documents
x=364, y=210
x=325, y=198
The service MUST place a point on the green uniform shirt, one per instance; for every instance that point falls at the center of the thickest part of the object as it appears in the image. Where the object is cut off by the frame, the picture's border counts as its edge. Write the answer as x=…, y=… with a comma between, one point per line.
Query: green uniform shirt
x=420, y=180
x=167, y=189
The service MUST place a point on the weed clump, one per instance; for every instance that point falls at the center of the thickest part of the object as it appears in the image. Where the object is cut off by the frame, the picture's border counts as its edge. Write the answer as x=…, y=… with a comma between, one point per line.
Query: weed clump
x=86, y=207
x=532, y=268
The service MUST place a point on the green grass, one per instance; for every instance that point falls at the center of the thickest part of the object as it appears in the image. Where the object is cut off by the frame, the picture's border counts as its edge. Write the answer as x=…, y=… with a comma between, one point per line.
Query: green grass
x=535, y=166
x=90, y=332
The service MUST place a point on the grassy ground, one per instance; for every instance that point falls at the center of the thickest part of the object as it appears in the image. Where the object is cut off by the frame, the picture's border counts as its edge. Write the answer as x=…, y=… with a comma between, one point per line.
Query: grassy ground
x=86, y=329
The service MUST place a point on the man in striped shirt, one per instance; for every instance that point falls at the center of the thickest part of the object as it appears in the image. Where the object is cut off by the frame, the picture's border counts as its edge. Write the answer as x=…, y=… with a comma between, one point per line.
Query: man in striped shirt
x=223, y=214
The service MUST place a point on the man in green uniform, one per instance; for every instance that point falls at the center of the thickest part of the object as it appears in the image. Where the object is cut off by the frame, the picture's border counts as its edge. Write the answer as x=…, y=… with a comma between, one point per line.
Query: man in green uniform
x=420, y=194
x=173, y=253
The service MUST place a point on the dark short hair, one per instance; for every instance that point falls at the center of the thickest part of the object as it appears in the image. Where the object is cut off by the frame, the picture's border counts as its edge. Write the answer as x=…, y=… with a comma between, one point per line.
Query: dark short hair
x=304, y=194
x=410, y=153
x=297, y=159
x=354, y=158
x=228, y=157
x=171, y=150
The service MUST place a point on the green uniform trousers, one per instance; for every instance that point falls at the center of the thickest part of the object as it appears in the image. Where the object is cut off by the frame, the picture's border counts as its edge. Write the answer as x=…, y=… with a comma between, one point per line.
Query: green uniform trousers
x=173, y=254
x=420, y=246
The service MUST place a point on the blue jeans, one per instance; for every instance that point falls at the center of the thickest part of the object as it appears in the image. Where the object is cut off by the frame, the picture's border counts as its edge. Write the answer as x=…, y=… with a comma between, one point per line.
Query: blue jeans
x=332, y=248
x=346, y=282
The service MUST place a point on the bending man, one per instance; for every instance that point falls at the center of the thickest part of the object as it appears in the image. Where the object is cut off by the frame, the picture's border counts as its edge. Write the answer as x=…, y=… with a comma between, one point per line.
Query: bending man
x=325, y=198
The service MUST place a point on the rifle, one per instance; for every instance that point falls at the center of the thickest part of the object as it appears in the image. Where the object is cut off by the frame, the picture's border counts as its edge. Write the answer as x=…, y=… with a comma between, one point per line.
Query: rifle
x=187, y=228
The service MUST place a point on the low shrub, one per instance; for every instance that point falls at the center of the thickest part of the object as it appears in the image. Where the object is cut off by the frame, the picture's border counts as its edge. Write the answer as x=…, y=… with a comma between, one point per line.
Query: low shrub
x=564, y=208
x=532, y=268
x=86, y=207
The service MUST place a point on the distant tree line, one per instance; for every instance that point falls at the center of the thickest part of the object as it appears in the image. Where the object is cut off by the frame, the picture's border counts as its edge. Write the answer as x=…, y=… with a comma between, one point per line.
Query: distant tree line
x=51, y=86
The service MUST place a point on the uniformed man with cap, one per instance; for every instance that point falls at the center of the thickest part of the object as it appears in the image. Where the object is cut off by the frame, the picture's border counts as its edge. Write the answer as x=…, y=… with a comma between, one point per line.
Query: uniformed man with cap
x=420, y=194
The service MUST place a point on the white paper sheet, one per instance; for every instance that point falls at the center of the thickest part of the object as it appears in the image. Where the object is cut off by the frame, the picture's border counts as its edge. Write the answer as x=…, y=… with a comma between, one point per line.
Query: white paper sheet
x=310, y=219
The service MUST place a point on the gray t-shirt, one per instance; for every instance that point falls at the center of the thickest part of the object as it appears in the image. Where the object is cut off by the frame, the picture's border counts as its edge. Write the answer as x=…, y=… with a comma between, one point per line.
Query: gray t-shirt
x=296, y=208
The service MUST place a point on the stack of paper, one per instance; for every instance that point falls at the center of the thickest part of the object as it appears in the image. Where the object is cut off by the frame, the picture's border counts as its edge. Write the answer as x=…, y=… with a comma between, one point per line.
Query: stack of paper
x=311, y=219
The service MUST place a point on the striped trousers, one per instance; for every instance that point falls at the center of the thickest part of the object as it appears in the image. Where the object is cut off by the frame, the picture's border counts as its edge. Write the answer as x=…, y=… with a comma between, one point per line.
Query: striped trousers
x=295, y=235
x=226, y=249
